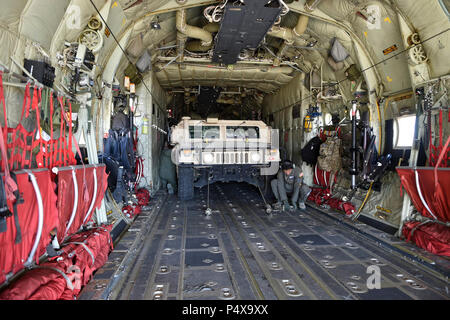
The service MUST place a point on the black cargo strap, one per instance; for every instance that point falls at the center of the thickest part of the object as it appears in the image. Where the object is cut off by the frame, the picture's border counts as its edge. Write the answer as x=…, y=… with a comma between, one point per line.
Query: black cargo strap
x=19, y=200
x=4, y=210
x=6, y=213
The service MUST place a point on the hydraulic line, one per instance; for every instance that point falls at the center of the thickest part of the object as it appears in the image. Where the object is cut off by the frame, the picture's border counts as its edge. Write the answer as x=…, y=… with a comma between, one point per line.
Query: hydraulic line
x=117, y=208
x=357, y=214
x=380, y=127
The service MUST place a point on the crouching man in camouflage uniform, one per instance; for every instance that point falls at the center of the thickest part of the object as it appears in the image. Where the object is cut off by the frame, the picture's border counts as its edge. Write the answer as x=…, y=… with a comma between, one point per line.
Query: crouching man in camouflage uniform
x=289, y=181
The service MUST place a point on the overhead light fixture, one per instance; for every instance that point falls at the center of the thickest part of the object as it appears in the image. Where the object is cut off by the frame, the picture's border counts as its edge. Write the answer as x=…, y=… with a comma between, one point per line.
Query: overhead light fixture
x=155, y=24
x=312, y=43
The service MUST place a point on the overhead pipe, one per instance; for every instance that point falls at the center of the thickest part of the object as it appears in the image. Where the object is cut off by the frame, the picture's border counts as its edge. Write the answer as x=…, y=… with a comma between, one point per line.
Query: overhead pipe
x=197, y=46
x=181, y=44
x=241, y=69
x=311, y=5
x=292, y=36
x=228, y=101
x=185, y=31
x=280, y=54
x=212, y=27
x=207, y=61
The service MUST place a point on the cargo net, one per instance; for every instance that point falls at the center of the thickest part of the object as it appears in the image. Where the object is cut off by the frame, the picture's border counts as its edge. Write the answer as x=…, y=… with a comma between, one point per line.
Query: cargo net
x=28, y=145
x=428, y=189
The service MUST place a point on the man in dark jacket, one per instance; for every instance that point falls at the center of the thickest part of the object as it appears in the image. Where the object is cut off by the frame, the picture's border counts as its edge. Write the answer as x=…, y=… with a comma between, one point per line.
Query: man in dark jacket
x=120, y=120
x=289, y=182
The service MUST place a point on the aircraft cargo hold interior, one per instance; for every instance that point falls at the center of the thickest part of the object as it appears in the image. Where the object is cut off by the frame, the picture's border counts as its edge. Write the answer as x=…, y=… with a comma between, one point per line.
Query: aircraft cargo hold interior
x=232, y=150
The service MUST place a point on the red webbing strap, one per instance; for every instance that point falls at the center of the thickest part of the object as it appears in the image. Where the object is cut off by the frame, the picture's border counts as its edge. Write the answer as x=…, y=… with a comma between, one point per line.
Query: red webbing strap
x=59, y=153
x=51, y=131
x=19, y=159
x=5, y=129
x=10, y=184
x=34, y=102
x=77, y=147
x=135, y=142
x=2, y=100
x=436, y=151
x=440, y=128
x=26, y=101
x=19, y=145
x=71, y=155
x=430, y=151
x=72, y=138
x=40, y=154
x=63, y=116
x=441, y=156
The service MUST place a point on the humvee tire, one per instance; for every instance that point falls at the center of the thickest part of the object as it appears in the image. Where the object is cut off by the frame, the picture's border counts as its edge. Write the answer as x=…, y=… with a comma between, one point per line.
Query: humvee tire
x=266, y=189
x=185, y=183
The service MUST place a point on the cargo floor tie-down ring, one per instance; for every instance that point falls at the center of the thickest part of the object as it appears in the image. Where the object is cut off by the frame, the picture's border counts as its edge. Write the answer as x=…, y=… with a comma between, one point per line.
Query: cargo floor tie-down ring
x=208, y=210
x=41, y=218
x=87, y=250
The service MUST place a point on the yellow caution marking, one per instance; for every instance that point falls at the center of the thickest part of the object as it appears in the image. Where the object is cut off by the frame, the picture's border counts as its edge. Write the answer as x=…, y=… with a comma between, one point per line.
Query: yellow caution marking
x=389, y=79
x=387, y=19
x=114, y=4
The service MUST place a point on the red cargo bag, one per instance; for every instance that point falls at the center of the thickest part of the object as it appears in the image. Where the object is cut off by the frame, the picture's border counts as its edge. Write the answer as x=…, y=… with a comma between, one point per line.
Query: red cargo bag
x=37, y=215
x=85, y=184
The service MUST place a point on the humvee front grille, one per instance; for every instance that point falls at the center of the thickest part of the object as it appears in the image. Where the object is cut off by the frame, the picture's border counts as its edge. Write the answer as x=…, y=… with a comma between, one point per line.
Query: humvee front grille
x=239, y=157
x=232, y=157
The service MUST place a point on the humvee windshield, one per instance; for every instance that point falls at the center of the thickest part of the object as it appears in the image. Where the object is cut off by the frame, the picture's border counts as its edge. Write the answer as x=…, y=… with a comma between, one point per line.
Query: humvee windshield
x=236, y=132
x=207, y=132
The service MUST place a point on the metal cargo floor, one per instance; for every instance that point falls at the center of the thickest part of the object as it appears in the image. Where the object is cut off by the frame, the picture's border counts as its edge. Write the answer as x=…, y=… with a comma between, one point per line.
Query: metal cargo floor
x=173, y=251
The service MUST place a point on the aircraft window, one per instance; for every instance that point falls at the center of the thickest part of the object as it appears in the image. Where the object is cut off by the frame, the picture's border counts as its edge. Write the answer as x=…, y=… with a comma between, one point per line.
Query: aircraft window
x=207, y=132
x=237, y=132
x=404, y=131
x=327, y=119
